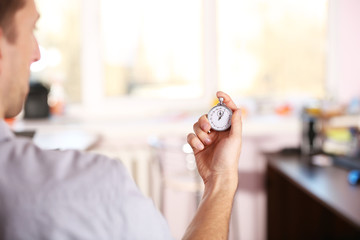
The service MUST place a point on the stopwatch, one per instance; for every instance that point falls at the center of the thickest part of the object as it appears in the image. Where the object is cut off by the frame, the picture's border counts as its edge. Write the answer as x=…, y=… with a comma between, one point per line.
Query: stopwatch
x=220, y=116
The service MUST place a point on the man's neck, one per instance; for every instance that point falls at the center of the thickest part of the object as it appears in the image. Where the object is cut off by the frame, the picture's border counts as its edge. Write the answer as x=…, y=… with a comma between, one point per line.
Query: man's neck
x=2, y=113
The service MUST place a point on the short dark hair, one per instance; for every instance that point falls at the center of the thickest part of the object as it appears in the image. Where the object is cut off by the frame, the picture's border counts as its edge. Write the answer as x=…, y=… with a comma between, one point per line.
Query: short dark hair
x=8, y=8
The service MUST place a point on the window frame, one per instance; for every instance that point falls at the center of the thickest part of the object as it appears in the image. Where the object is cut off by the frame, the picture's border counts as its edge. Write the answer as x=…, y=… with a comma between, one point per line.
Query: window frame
x=92, y=74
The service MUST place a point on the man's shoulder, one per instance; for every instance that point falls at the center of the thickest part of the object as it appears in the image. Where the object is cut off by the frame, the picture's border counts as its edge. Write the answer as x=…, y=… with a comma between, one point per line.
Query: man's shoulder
x=18, y=149
x=73, y=194
x=22, y=159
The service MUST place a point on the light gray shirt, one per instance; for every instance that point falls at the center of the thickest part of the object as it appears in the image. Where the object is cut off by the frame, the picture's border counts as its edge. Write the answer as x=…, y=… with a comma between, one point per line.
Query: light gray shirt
x=70, y=195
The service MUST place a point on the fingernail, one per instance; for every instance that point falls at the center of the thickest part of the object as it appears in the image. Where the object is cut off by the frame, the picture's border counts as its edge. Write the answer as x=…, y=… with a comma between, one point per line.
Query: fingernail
x=204, y=127
x=200, y=146
x=207, y=140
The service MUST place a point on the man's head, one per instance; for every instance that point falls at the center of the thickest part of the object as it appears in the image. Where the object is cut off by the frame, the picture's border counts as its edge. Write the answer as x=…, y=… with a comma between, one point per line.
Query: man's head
x=18, y=49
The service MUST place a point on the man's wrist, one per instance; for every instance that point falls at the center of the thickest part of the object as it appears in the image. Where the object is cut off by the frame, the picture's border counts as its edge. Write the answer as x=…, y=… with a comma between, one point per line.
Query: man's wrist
x=213, y=215
x=222, y=183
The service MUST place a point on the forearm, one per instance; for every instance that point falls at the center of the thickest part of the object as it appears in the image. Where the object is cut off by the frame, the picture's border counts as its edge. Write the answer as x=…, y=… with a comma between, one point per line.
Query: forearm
x=212, y=218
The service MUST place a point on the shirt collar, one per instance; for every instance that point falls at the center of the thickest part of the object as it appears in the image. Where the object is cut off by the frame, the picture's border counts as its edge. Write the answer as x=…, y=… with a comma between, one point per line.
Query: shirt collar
x=5, y=132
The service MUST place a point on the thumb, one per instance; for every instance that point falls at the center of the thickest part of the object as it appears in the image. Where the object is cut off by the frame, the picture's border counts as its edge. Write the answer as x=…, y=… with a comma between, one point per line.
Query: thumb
x=236, y=124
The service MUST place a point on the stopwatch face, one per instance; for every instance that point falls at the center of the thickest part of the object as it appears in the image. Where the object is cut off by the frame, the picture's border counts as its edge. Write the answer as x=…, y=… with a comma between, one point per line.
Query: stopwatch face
x=220, y=118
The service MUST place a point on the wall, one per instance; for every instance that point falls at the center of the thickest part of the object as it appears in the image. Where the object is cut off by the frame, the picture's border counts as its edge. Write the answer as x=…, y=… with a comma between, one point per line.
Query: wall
x=344, y=49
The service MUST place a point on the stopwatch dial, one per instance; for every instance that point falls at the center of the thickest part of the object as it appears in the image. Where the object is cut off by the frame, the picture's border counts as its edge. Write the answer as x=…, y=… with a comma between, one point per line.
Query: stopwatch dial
x=220, y=118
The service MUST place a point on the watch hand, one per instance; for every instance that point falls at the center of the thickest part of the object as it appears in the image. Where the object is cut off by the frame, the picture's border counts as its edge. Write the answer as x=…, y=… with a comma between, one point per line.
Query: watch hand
x=221, y=114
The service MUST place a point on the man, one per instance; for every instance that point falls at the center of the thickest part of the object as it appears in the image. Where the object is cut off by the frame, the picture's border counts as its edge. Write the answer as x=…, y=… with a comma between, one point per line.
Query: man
x=73, y=195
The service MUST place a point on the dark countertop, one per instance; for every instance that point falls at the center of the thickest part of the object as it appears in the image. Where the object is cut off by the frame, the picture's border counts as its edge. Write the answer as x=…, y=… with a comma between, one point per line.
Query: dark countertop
x=328, y=185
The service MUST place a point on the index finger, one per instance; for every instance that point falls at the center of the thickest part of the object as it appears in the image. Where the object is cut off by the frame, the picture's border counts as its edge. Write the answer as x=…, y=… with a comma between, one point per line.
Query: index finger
x=227, y=100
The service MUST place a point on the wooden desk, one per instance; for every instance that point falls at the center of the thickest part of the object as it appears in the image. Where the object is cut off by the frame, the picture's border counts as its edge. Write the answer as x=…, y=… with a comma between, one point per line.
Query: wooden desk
x=309, y=202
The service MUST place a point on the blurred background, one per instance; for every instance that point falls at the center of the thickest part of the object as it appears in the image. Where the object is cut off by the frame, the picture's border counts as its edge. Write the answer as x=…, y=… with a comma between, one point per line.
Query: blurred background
x=185, y=49
x=129, y=78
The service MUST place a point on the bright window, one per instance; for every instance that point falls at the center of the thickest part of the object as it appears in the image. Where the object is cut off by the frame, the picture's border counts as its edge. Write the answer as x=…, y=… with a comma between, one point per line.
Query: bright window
x=152, y=48
x=272, y=48
x=183, y=49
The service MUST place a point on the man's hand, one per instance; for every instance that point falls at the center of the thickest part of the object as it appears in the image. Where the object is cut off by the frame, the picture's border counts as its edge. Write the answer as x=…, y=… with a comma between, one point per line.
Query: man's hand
x=217, y=153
